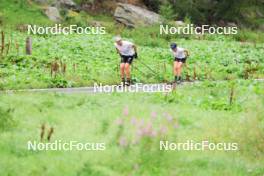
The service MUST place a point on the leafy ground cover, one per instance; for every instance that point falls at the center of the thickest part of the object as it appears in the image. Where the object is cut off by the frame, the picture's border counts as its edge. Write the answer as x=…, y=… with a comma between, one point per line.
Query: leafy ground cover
x=88, y=59
x=132, y=125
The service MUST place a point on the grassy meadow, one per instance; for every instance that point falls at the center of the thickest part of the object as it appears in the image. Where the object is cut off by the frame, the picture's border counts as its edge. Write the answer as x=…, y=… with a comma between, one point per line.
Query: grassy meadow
x=198, y=112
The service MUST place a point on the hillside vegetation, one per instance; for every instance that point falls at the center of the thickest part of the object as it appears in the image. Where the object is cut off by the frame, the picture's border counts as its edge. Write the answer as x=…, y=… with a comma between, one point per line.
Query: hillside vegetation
x=88, y=59
x=246, y=13
x=14, y=13
x=85, y=59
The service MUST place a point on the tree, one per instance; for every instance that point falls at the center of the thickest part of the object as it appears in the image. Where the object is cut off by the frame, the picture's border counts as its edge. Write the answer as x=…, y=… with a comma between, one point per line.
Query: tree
x=153, y=4
x=166, y=10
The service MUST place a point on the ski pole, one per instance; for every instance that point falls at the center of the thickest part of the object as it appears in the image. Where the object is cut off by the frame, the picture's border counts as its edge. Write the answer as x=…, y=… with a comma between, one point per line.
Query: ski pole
x=149, y=68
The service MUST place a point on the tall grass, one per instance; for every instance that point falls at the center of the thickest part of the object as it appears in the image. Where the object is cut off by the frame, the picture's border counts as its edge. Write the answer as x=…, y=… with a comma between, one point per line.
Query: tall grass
x=132, y=125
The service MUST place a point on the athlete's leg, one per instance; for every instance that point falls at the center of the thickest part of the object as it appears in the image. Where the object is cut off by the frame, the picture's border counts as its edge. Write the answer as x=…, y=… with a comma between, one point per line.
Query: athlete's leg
x=127, y=71
x=178, y=69
x=122, y=71
x=175, y=68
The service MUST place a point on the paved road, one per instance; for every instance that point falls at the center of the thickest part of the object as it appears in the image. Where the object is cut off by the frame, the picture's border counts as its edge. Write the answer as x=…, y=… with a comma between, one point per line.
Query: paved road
x=151, y=88
x=113, y=88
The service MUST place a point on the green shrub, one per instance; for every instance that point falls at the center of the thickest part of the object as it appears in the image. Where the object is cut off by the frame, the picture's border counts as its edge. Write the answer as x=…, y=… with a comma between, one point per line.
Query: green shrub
x=153, y=4
x=167, y=11
x=247, y=35
x=88, y=170
x=250, y=131
x=58, y=82
x=6, y=119
x=1, y=19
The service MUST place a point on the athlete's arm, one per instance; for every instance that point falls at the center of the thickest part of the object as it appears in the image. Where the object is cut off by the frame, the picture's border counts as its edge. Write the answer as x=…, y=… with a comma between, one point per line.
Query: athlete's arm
x=186, y=52
x=118, y=51
x=135, y=48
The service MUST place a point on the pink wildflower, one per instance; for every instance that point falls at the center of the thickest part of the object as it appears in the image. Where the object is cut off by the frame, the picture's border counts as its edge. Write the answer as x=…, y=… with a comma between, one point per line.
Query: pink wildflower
x=163, y=130
x=123, y=142
x=169, y=118
x=119, y=121
x=176, y=125
x=136, y=140
x=153, y=133
x=147, y=130
x=140, y=123
x=125, y=111
x=133, y=121
x=140, y=133
x=153, y=115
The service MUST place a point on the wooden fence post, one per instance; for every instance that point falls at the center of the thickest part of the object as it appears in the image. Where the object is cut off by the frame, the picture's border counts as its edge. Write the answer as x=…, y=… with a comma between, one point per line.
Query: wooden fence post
x=8, y=46
x=231, y=96
x=3, y=43
x=194, y=73
x=17, y=47
x=28, y=46
x=164, y=67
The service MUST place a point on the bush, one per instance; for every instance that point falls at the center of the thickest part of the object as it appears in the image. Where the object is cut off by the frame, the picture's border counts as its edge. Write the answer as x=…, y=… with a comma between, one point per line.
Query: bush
x=59, y=82
x=89, y=170
x=72, y=17
x=153, y=4
x=167, y=11
x=247, y=35
x=6, y=119
x=1, y=19
x=251, y=141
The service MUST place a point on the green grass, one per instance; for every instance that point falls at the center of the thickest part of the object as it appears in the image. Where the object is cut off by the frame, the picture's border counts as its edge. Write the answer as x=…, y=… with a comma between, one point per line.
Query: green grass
x=93, y=118
x=212, y=57
x=196, y=112
x=16, y=12
x=97, y=61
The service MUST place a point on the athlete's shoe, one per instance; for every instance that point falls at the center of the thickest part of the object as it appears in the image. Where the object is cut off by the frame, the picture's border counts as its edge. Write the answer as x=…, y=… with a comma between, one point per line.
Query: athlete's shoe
x=179, y=80
x=171, y=82
x=127, y=83
x=123, y=83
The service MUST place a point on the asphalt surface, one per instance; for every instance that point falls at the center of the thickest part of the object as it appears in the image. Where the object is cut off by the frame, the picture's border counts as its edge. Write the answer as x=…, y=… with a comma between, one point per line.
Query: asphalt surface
x=149, y=88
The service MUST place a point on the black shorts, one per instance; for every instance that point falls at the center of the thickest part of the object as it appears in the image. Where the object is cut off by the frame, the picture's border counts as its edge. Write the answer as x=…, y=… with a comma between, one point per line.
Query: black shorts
x=127, y=59
x=183, y=60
